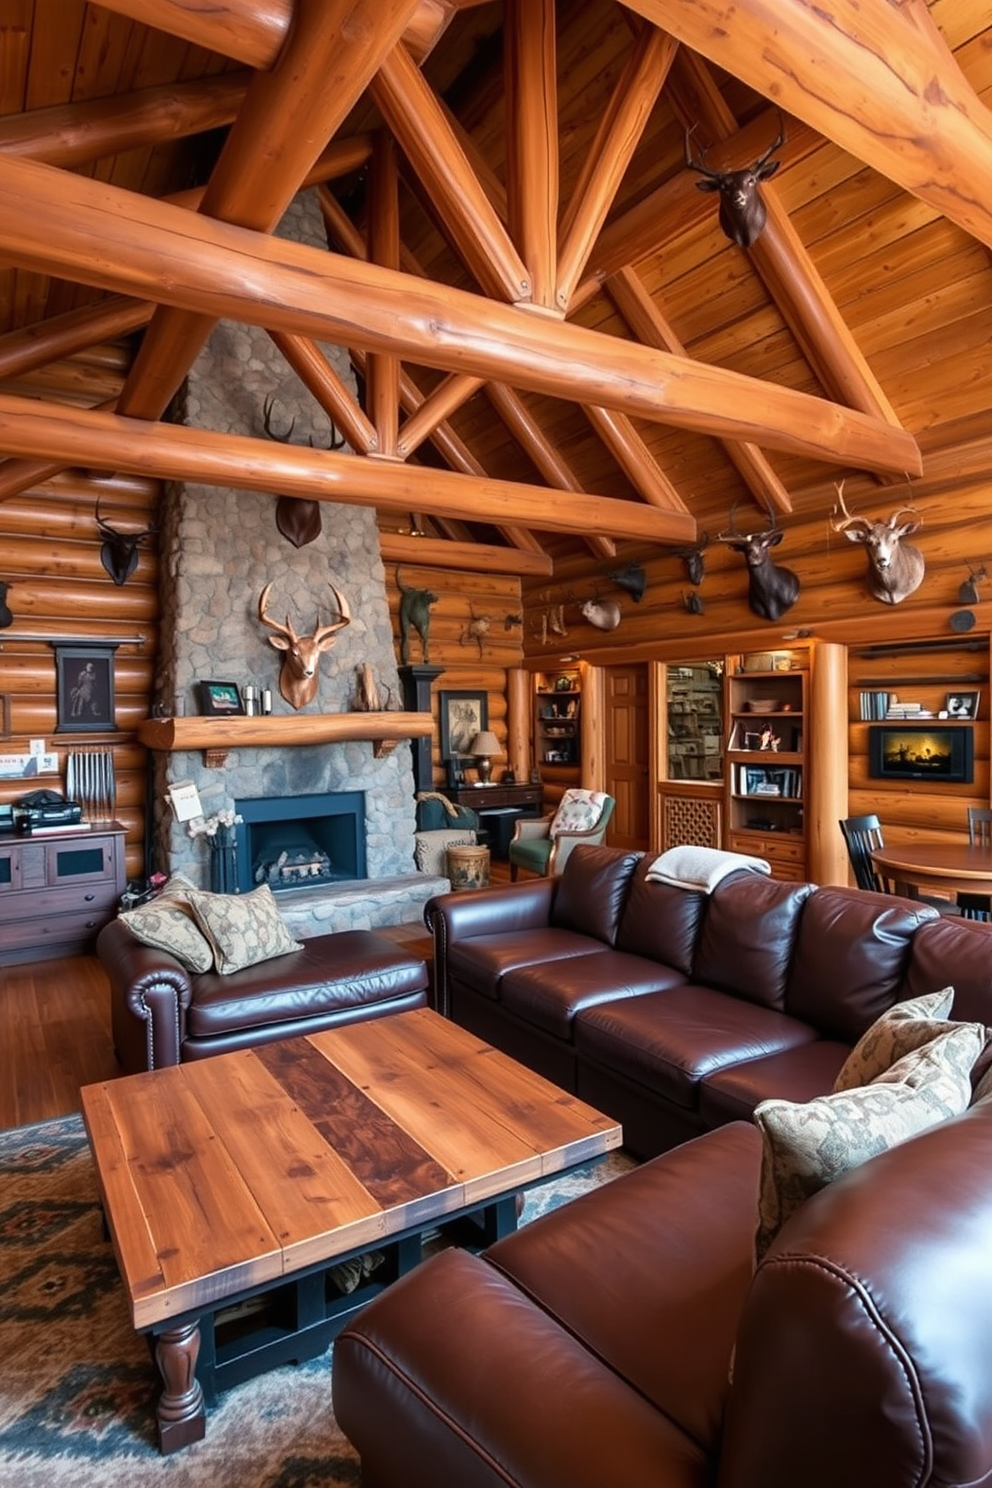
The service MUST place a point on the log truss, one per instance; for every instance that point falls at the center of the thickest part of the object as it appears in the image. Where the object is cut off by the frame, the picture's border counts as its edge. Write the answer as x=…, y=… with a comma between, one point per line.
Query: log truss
x=287, y=82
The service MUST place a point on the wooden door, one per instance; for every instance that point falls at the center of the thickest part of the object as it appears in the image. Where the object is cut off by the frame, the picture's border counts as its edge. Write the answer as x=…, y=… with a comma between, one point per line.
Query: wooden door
x=627, y=774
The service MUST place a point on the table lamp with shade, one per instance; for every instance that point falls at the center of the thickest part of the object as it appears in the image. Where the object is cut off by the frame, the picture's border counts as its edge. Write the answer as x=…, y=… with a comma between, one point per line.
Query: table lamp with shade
x=485, y=747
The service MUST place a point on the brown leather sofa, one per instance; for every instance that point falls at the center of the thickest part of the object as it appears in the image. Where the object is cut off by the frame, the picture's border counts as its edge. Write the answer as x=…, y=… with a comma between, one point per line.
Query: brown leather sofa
x=594, y=1346
x=676, y=1011
x=162, y=1014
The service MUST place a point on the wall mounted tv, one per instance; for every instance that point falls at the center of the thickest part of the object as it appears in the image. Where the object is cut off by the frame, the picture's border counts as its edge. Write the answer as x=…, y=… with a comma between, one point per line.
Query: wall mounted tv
x=921, y=751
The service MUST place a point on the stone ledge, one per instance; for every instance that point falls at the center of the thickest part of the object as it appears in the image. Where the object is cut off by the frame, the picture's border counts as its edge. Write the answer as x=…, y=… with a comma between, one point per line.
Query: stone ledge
x=360, y=904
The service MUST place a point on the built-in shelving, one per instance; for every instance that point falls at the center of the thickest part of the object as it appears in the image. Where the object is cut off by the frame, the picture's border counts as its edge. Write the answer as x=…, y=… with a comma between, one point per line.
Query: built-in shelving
x=766, y=764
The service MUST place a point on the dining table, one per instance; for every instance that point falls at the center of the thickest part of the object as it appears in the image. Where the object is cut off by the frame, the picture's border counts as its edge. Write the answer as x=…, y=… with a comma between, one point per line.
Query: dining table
x=948, y=867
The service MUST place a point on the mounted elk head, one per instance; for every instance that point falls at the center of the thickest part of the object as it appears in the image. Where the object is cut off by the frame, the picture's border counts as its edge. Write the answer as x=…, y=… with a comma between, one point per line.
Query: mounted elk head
x=742, y=212
x=119, y=550
x=771, y=589
x=693, y=561
x=895, y=567
x=298, y=674
x=297, y=517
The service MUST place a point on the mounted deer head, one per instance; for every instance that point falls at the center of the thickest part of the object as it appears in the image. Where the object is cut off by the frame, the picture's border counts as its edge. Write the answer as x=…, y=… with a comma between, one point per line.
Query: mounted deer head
x=693, y=561
x=771, y=589
x=895, y=567
x=297, y=517
x=742, y=212
x=298, y=674
x=119, y=550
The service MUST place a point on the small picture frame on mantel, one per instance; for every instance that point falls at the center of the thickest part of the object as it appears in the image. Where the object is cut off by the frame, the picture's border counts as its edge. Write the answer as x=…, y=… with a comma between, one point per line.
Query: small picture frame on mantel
x=220, y=699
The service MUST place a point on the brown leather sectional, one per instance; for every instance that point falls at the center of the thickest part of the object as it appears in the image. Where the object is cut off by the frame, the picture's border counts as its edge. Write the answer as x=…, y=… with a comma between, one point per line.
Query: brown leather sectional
x=162, y=1014
x=675, y=1011
x=595, y=1346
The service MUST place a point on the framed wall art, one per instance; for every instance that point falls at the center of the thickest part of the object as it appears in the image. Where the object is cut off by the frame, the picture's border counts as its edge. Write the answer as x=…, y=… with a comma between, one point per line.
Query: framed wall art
x=85, y=688
x=461, y=715
x=220, y=699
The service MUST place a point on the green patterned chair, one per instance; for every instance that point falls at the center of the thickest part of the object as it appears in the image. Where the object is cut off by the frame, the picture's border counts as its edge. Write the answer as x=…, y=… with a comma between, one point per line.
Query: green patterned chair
x=543, y=846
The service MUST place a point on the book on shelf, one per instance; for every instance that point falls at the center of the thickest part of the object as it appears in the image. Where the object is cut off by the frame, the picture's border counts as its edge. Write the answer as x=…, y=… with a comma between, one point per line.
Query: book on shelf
x=784, y=782
x=875, y=705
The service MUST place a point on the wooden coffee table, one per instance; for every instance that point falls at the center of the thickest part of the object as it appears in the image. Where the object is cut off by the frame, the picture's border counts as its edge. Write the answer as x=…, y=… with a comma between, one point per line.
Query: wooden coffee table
x=232, y=1185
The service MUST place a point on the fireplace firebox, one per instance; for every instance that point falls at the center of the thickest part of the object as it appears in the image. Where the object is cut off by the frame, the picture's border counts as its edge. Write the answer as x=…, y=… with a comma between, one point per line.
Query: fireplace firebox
x=292, y=842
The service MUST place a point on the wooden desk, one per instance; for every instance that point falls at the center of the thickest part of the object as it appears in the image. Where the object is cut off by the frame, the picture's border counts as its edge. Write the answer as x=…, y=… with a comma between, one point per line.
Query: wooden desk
x=498, y=807
x=252, y=1174
x=956, y=868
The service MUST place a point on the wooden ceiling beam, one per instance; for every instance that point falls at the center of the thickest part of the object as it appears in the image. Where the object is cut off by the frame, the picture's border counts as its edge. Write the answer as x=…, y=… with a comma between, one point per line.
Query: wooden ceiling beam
x=876, y=78
x=781, y=259
x=106, y=441
x=617, y=137
x=65, y=335
x=331, y=392
x=545, y=455
x=59, y=223
x=651, y=326
x=73, y=133
x=421, y=127
x=431, y=552
x=289, y=114
x=382, y=369
x=531, y=130
x=635, y=460
x=449, y=395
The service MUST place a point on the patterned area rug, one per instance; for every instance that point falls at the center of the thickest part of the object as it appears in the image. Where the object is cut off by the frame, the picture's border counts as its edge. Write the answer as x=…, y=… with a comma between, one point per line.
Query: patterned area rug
x=78, y=1386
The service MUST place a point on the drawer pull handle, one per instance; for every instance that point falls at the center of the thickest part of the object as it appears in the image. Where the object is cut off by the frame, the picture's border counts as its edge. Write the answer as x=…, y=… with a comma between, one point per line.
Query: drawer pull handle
x=89, y=898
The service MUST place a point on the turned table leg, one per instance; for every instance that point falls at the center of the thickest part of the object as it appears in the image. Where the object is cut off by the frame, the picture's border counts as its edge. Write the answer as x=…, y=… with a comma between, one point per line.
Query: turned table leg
x=180, y=1411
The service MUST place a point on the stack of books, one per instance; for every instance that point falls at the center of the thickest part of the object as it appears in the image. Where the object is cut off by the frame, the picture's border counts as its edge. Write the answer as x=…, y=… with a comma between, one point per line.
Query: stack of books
x=908, y=711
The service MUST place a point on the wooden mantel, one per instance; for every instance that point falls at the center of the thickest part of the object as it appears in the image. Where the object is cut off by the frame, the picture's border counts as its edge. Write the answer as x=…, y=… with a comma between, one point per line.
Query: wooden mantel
x=283, y=730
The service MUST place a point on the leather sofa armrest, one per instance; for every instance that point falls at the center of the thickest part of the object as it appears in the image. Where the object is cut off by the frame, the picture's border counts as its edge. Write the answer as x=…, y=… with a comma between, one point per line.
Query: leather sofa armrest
x=455, y=918
x=148, y=985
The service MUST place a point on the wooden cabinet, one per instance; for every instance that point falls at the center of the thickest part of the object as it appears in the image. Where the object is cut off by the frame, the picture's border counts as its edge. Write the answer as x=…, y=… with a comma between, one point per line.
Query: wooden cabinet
x=766, y=776
x=57, y=889
x=557, y=708
x=498, y=807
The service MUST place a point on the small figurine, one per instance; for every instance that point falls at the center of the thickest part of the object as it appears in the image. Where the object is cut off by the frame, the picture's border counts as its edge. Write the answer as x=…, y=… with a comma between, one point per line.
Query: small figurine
x=769, y=739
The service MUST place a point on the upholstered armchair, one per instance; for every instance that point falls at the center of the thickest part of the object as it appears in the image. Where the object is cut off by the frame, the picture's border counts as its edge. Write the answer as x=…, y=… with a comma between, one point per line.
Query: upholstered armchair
x=543, y=846
x=440, y=825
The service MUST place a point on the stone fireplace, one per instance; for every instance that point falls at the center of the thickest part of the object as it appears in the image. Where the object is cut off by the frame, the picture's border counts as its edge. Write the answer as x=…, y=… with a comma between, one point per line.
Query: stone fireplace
x=219, y=548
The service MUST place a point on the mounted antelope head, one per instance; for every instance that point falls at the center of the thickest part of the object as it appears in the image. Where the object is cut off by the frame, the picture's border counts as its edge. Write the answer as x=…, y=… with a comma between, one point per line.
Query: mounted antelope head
x=297, y=517
x=895, y=567
x=771, y=589
x=298, y=674
x=119, y=550
x=742, y=212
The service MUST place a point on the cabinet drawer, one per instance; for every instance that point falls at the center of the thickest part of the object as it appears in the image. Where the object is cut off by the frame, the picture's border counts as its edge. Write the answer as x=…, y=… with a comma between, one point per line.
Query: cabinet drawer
x=55, y=930
x=779, y=849
x=66, y=899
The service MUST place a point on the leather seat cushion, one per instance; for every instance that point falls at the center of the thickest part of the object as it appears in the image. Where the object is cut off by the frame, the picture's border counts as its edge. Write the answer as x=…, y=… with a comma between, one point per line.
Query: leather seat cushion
x=664, y=1252
x=550, y=995
x=481, y=962
x=330, y=972
x=799, y=1074
x=670, y=1041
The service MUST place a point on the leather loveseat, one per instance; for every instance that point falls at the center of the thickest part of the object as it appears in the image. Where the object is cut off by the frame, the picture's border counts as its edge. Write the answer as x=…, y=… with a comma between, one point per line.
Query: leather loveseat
x=675, y=1011
x=162, y=1014
x=594, y=1346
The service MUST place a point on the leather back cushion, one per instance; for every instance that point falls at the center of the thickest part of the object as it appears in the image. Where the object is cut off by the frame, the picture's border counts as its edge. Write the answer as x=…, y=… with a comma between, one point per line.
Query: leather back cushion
x=954, y=953
x=852, y=955
x=749, y=931
x=659, y=921
x=592, y=890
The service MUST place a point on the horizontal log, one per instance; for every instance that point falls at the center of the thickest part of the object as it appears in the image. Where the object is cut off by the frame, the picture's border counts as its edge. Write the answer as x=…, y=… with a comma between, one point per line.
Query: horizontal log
x=58, y=223
x=102, y=439
x=280, y=730
x=396, y=547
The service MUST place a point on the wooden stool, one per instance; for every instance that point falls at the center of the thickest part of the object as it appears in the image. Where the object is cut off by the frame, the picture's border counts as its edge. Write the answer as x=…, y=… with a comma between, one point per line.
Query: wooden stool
x=468, y=867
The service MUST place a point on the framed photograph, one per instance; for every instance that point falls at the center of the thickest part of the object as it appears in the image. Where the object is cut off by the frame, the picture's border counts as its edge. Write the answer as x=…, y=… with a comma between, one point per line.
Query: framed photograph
x=461, y=715
x=220, y=699
x=85, y=688
x=963, y=705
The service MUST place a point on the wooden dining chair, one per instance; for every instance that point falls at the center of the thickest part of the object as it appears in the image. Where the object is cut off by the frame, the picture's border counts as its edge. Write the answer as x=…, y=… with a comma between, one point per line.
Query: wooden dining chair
x=978, y=906
x=863, y=835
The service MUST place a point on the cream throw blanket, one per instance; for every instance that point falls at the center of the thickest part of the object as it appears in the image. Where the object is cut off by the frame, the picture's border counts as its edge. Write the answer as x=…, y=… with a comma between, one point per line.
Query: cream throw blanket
x=701, y=867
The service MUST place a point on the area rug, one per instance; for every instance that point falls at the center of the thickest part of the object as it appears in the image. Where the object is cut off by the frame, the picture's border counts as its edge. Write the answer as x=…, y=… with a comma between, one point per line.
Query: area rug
x=78, y=1386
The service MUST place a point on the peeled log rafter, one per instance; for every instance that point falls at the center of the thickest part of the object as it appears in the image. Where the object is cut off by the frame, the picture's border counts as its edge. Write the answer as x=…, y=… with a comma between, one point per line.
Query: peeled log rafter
x=877, y=78
x=103, y=439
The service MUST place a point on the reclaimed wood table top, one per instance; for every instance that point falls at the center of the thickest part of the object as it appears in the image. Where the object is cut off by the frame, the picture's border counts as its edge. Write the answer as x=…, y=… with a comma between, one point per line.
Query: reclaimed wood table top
x=239, y=1170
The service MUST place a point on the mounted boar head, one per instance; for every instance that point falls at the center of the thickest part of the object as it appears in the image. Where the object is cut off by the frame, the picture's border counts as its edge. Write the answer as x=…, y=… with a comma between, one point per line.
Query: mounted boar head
x=742, y=212
x=771, y=589
x=298, y=674
x=119, y=550
x=895, y=567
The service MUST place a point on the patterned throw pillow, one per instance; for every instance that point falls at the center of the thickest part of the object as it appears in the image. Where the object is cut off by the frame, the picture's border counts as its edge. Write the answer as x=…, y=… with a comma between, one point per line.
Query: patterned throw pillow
x=243, y=929
x=805, y=1147
x=578, y=811
x=902, y=1028
x=431, y=849
x=166, y=923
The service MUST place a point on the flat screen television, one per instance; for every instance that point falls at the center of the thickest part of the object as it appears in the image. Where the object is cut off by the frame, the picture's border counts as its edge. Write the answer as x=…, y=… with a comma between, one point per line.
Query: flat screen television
x=921, y=751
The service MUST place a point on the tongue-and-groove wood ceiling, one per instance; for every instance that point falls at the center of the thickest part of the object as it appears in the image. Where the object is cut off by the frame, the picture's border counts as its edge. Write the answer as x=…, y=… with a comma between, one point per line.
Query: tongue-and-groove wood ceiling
x=557, y=348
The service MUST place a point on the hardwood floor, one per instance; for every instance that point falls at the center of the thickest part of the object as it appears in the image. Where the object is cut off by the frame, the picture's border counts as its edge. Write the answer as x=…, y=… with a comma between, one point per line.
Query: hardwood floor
x=55, y=1030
